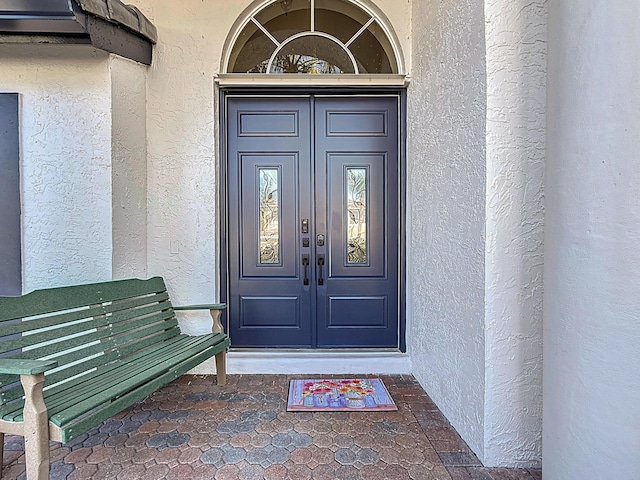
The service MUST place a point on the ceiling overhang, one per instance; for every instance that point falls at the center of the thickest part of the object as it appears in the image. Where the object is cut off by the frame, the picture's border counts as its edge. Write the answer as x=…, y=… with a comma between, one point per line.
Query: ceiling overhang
x=108, y=25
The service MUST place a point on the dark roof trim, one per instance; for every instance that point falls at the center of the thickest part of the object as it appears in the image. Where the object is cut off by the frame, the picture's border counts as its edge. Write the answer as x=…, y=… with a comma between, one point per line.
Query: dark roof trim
x=106, y=24
x=117, y=13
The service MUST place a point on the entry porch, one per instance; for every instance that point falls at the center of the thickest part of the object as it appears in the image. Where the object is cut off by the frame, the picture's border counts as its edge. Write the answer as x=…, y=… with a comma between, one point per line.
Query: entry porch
x=195, y=429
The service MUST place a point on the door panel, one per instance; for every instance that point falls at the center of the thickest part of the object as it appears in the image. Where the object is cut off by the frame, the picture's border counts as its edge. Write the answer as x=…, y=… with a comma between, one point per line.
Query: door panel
x=313, y=221
x=355, y=193
x=265, y=312
x=356, y=169
x=269, y=192
x=269, y=189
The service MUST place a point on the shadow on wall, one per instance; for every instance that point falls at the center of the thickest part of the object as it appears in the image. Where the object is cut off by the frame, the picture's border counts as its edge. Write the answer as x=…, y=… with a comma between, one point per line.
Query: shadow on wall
x=10, y=238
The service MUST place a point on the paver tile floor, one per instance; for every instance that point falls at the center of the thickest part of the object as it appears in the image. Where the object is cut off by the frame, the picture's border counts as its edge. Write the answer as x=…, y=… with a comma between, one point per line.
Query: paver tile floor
x=195, y=429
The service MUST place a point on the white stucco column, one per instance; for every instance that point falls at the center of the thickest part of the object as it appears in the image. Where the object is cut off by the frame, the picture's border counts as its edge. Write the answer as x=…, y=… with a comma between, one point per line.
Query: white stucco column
x=591, y=426
x=446, y=182
x=65, y=129
x=129, y=166
x=515, y=32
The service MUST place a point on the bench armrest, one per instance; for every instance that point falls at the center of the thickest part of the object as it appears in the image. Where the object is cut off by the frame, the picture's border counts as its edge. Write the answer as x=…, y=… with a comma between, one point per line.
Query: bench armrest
x=215, y=309
x=212, y=306
x=25, y=367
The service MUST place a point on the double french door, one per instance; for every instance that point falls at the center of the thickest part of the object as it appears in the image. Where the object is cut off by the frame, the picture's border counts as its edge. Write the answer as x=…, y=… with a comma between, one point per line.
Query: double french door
x=312, y=187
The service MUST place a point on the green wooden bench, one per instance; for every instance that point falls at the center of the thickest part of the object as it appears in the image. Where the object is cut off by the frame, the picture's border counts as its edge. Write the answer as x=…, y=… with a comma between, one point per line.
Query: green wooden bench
x=103, y=347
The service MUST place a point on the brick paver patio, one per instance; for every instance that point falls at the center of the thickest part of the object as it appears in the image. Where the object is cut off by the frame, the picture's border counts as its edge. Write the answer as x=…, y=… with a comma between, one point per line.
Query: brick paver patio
x=194, y=429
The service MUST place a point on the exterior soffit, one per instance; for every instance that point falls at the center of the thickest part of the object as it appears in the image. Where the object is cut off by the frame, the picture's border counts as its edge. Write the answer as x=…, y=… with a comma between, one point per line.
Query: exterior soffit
x=109, y=25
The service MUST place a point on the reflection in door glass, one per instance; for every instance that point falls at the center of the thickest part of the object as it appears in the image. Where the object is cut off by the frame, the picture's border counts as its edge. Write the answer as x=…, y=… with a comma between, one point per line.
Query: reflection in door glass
x=356, y=215
x=269, y=211
x=312, y=54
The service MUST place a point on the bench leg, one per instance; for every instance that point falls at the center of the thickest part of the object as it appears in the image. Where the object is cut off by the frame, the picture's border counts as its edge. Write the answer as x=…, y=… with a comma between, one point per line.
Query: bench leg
x=221, y=367
x=36, y=428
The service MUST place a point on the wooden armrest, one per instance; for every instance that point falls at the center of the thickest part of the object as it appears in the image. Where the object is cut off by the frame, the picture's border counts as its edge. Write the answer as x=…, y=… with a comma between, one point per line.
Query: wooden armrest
x=215, y=309
x=25, y=367
x=212, y=306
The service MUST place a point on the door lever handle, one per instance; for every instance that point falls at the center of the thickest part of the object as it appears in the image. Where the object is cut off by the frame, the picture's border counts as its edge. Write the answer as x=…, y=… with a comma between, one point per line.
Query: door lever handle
x=320, y=265
x=305, y=267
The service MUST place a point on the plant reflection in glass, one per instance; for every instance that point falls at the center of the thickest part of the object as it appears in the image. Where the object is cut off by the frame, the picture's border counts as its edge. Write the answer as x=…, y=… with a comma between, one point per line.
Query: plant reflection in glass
x=356, y=215
x=269, y=216
x=296, y=64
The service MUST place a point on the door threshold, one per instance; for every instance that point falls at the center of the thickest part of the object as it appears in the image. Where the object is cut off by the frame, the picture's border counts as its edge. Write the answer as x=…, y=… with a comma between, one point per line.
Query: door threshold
x=308, y=361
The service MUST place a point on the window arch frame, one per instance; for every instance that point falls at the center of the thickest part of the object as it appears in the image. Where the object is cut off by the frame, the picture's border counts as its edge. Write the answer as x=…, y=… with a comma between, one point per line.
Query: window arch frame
x=248, y=16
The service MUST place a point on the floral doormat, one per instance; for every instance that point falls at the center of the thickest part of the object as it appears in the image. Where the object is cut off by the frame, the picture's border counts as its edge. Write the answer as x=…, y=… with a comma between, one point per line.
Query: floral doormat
x=364, y=394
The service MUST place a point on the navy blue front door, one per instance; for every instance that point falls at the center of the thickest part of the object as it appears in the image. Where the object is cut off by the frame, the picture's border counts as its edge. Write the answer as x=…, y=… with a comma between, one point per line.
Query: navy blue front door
x=313, y=221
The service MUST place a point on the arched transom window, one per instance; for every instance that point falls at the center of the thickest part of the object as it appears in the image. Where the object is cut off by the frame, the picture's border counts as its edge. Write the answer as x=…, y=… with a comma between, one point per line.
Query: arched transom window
x=313, y=37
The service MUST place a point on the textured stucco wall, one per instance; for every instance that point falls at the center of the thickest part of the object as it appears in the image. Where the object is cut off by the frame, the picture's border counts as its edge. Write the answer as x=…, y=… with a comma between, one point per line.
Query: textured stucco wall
x=398, y=13
x=446, y=210
x=516, y=99
x=129, y=169
x=591, y=426
x=66, y=161
x=183, y=208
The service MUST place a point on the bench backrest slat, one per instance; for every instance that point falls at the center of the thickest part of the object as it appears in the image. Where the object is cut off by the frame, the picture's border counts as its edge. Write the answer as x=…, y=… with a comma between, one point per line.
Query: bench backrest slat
x=41, y=302
x=83, y=327
x=107, y=338
x=27, y=325
x=159, y=320
x=87, y=327
x=55, y=318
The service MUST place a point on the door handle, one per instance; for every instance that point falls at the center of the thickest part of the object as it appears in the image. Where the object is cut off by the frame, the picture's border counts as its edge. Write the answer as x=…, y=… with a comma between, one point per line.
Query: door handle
x=305, y=267
x=320, y=265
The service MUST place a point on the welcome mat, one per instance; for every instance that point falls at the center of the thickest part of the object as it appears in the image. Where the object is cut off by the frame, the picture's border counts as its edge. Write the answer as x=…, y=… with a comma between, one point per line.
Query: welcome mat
x=363, y=394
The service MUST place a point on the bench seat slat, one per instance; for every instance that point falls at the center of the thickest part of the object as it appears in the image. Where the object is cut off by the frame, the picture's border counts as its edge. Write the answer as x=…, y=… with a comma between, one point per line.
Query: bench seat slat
x=77, y=390
x=89, y=365
x=83, y=394
x=82, y=425
x=105, y=359
x=140, y=363
x=111, y=353
x=54, y=350
x=111, y=358
x=114, y=348
x=56, y=376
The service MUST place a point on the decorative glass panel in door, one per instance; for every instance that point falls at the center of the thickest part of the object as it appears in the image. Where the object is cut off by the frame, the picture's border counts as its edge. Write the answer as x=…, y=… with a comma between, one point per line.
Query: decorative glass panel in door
x=269, y=221
x=356, y=215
